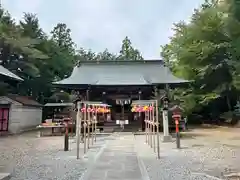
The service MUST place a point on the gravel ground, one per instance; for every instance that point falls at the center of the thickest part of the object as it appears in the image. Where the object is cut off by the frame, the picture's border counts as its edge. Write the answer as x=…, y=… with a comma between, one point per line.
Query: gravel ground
x=30, y=158
x=211, y=156
x=205, y=155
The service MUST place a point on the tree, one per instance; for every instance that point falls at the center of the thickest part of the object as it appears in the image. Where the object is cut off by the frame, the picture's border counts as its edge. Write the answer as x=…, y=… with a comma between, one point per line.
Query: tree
x=106, y=56
x=18, y=52
x=128, y=52
x=29, y=52
x=202, y=50
x=86, y=55
x=61, y=35
x=231, y=9
x=41, y=59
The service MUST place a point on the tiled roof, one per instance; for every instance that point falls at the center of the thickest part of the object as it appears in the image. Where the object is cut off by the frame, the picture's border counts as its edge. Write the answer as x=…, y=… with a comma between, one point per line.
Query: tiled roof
x=25, y=100
x=5, y=72
x=148, y=72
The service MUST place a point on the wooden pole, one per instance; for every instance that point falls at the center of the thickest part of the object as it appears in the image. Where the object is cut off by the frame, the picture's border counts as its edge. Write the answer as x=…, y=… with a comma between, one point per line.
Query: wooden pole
x=148, y=125
x=93, y=123
x=84, y=127
x=95, y=131
x=78, y=127
x=157, y=124
x=145, y=120
x=154, y=125
x=88, y=125
x=150, y=120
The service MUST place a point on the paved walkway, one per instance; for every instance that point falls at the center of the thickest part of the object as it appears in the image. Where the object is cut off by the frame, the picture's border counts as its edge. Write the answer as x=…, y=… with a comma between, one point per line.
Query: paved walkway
x=118, y=160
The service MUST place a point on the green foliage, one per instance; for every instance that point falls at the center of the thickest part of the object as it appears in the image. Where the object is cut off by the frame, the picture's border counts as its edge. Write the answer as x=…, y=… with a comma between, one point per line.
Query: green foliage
x=128, y=52
x=40, y=58
x=206, y=50
x=237, y=109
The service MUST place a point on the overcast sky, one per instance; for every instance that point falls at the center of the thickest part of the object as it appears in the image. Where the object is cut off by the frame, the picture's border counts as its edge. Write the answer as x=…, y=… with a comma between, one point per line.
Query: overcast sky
x=100, y=24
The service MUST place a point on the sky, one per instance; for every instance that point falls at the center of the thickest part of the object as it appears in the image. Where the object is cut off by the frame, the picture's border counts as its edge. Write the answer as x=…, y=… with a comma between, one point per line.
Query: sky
x=101, y=24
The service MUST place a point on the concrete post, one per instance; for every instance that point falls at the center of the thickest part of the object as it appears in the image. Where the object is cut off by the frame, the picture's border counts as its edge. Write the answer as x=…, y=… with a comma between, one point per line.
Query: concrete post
x=166, y=136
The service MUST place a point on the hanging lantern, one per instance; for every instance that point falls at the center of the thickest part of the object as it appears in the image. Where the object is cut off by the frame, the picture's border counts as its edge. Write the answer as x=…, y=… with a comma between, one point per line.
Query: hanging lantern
x=134, y=108
x=104, y=110
x=150, y=108
x=139, y=109
x=89, y=109
x=83, y=109
x=145, y=108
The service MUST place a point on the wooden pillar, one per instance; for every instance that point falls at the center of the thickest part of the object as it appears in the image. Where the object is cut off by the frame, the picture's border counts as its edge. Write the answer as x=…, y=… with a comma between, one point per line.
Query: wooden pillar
x=157, y=124
x=153, y=124
x=139, y=114
x=84, y=127
x=78, y=126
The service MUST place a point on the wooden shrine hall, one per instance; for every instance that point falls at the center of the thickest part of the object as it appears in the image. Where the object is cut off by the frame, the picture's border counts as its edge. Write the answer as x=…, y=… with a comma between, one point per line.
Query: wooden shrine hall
x=117, y=83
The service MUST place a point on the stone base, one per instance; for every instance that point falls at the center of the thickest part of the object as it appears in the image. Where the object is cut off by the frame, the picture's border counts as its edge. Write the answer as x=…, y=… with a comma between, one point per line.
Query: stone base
x=4, y=176
x=167, y=138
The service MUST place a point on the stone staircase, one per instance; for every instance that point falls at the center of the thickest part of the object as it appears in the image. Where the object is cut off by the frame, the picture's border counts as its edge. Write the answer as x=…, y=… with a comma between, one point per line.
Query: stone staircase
x=133, y=126
x=110, y=126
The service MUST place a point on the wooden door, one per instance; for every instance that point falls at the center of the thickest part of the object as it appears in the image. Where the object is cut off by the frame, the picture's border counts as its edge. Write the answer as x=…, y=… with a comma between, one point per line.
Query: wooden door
x=4, y=119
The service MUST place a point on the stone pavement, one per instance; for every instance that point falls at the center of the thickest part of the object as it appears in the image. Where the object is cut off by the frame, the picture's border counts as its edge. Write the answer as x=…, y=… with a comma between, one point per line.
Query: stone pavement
x=127, y=157
x=117, y=161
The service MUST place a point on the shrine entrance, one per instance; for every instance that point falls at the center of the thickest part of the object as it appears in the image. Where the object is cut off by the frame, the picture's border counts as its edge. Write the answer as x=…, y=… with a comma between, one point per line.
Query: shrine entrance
x=123, y=109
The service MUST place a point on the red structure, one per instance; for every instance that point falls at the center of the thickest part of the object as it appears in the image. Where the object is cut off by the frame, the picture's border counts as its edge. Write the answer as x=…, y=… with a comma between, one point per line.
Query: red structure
x=177, y=116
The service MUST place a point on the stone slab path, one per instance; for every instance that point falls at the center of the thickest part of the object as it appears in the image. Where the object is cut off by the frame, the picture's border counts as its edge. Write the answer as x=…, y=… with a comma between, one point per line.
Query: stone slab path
x=117, y=161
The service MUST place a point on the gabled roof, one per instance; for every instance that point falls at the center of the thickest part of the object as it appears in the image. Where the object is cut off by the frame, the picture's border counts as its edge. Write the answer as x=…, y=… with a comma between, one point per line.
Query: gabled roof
x=147, y=72
x=59, y=104
x=5, y=72
x=24, y=100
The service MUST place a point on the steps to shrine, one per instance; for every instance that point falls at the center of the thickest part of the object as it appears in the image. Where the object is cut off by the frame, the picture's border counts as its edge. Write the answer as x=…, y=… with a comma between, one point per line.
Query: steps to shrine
x=109, y=126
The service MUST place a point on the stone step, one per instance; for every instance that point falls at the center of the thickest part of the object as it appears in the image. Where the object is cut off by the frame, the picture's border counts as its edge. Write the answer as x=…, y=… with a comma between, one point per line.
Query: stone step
x=108, y=129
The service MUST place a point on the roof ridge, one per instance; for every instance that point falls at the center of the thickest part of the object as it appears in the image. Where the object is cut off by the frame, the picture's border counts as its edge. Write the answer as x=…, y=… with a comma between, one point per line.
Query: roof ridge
x=123, y=62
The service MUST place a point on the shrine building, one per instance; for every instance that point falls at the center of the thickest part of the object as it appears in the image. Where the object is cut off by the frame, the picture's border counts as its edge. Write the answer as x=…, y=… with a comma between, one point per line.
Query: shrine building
x=117, y=83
